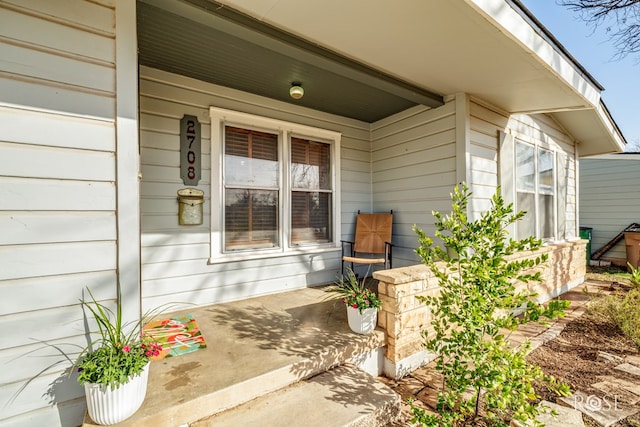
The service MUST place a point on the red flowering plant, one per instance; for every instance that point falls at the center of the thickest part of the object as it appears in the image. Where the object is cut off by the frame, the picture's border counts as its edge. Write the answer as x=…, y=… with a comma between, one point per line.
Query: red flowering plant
x=120, y=350
x=355, y=294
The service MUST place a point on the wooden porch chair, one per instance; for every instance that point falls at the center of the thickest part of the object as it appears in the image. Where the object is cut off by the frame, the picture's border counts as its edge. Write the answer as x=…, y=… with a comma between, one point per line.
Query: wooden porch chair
x=372, y=241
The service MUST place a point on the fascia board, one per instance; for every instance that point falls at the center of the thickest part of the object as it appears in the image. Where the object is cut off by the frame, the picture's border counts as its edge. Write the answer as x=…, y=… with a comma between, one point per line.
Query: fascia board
x=509, y=20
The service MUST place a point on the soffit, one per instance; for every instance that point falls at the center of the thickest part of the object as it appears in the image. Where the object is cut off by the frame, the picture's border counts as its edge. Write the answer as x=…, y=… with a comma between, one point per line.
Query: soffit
x=389, y=56
x=444, y=46
x=184, y=39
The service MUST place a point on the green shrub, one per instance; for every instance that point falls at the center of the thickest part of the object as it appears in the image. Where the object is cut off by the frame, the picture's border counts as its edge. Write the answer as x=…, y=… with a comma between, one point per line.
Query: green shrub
x=477, y=303
x=623, y=311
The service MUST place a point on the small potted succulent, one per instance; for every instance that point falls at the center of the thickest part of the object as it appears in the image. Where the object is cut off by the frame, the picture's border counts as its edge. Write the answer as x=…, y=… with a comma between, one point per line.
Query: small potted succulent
x=362, y=303
x=114, y=368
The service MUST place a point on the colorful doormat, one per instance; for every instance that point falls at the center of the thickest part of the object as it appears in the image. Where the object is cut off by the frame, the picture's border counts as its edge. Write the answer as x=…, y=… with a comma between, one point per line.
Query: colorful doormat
x=177, y=335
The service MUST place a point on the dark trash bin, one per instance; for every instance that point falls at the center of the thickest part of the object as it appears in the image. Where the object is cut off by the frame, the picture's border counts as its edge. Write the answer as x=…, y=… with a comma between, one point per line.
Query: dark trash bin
x=587, y=233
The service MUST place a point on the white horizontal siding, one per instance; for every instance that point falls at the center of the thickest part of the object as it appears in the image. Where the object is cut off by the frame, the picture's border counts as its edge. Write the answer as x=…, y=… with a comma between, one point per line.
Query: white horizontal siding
x=53, y=194
x=24, y=126
x=52, y=66
x=53, y=96
x=37, y=161
x=45, y=292
x=24, y=227
x=49, y=61
x=61, y=415
x=93, y=17
x=609, y=200
x=57, y=30
x=414, y=170
x=57, y=196
x=30, y=398
x=485, y=123
x=55, y=258
x=175, y=258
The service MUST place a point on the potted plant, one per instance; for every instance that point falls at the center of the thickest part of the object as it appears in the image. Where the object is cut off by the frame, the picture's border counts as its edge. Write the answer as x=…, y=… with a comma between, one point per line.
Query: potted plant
x=362, y=303
x=114, y=368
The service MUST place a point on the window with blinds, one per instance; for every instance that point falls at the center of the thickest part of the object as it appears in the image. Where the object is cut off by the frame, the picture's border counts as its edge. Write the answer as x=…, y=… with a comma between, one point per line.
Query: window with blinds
x=251, y=189
x=275, y=187
x=311, y=192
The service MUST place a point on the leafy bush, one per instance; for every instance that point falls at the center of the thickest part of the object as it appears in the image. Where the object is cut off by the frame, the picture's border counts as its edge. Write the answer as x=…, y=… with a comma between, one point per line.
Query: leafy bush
x=622, y=309
x=482, y=375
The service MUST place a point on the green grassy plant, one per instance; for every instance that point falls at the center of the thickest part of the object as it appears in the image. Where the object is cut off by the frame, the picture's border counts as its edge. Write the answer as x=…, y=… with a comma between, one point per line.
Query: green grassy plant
x=353, y=293
x=622, y=309
x=635, y=276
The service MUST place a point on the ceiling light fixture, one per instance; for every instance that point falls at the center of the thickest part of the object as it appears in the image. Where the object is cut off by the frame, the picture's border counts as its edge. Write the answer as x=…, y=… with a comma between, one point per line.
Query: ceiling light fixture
x=296, y=90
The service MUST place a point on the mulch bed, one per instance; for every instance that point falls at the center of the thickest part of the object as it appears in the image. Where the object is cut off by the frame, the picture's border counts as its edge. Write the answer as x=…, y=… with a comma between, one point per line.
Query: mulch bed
x=571, y=358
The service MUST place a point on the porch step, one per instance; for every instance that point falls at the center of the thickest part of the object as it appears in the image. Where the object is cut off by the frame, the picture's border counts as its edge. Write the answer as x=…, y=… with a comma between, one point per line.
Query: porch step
x=254, y=347
x=344, y=396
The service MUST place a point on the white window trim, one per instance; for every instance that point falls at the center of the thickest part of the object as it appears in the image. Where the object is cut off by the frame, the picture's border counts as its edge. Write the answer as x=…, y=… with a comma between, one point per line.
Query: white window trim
x=538, y=145
x=222, y=117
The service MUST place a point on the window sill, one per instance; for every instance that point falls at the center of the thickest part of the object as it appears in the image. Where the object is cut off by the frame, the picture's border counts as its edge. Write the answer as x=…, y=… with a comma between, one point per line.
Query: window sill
x=225, y=258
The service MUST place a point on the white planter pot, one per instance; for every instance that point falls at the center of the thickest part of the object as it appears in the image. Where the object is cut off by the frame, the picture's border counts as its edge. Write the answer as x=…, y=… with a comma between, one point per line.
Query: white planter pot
x=106, y=406
x=362, y=323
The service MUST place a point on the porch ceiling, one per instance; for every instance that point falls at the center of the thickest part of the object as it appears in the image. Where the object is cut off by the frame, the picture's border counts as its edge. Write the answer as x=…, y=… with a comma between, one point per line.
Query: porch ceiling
x=224, y=48
x=368, y=59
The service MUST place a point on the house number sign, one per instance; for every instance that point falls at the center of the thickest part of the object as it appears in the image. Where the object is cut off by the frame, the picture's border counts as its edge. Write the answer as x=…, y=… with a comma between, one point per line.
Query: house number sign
x=190, y=152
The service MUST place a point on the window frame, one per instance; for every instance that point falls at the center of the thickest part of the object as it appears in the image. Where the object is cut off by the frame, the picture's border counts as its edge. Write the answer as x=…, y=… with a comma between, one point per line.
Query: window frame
x=537, y=192
x=220, y=118
x=292, y=190
x=251, y=187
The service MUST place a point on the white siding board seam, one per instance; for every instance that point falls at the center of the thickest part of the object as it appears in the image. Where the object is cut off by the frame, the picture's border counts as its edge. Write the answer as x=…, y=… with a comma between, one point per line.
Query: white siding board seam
x=486, y=105
x=420, y=121
x=416, y=162
x=106, y=3
x=416, y=138
x=433, y=116
x=57, y=52
x=57, y=20
x=56, y=84
x=60, y=37
x=399, y=117
x=202, y=119
x=444, y=143
x=54, y=113
x=567, y=137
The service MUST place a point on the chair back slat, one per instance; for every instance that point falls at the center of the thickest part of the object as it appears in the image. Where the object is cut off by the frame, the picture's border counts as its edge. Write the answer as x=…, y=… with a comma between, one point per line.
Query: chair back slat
x=372, y=230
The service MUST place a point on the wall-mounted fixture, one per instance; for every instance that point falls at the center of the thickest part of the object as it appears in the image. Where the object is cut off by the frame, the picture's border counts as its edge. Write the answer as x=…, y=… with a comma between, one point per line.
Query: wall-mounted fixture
x=296, y=90
x=190, y=201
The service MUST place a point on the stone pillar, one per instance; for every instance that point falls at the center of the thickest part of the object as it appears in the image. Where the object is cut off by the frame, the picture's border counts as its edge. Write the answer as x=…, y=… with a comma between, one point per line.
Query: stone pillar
x=404, y=317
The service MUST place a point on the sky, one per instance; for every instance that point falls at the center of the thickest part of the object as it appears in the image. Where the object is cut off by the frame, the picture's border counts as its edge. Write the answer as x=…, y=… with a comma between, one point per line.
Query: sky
x=594, y=50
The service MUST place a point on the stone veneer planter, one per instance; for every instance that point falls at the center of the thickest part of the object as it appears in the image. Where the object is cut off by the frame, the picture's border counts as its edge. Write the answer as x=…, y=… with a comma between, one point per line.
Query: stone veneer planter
x=404, y=318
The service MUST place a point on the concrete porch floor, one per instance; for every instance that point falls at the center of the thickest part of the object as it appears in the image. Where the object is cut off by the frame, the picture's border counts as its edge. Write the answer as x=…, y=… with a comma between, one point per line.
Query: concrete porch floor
x=254, y=347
